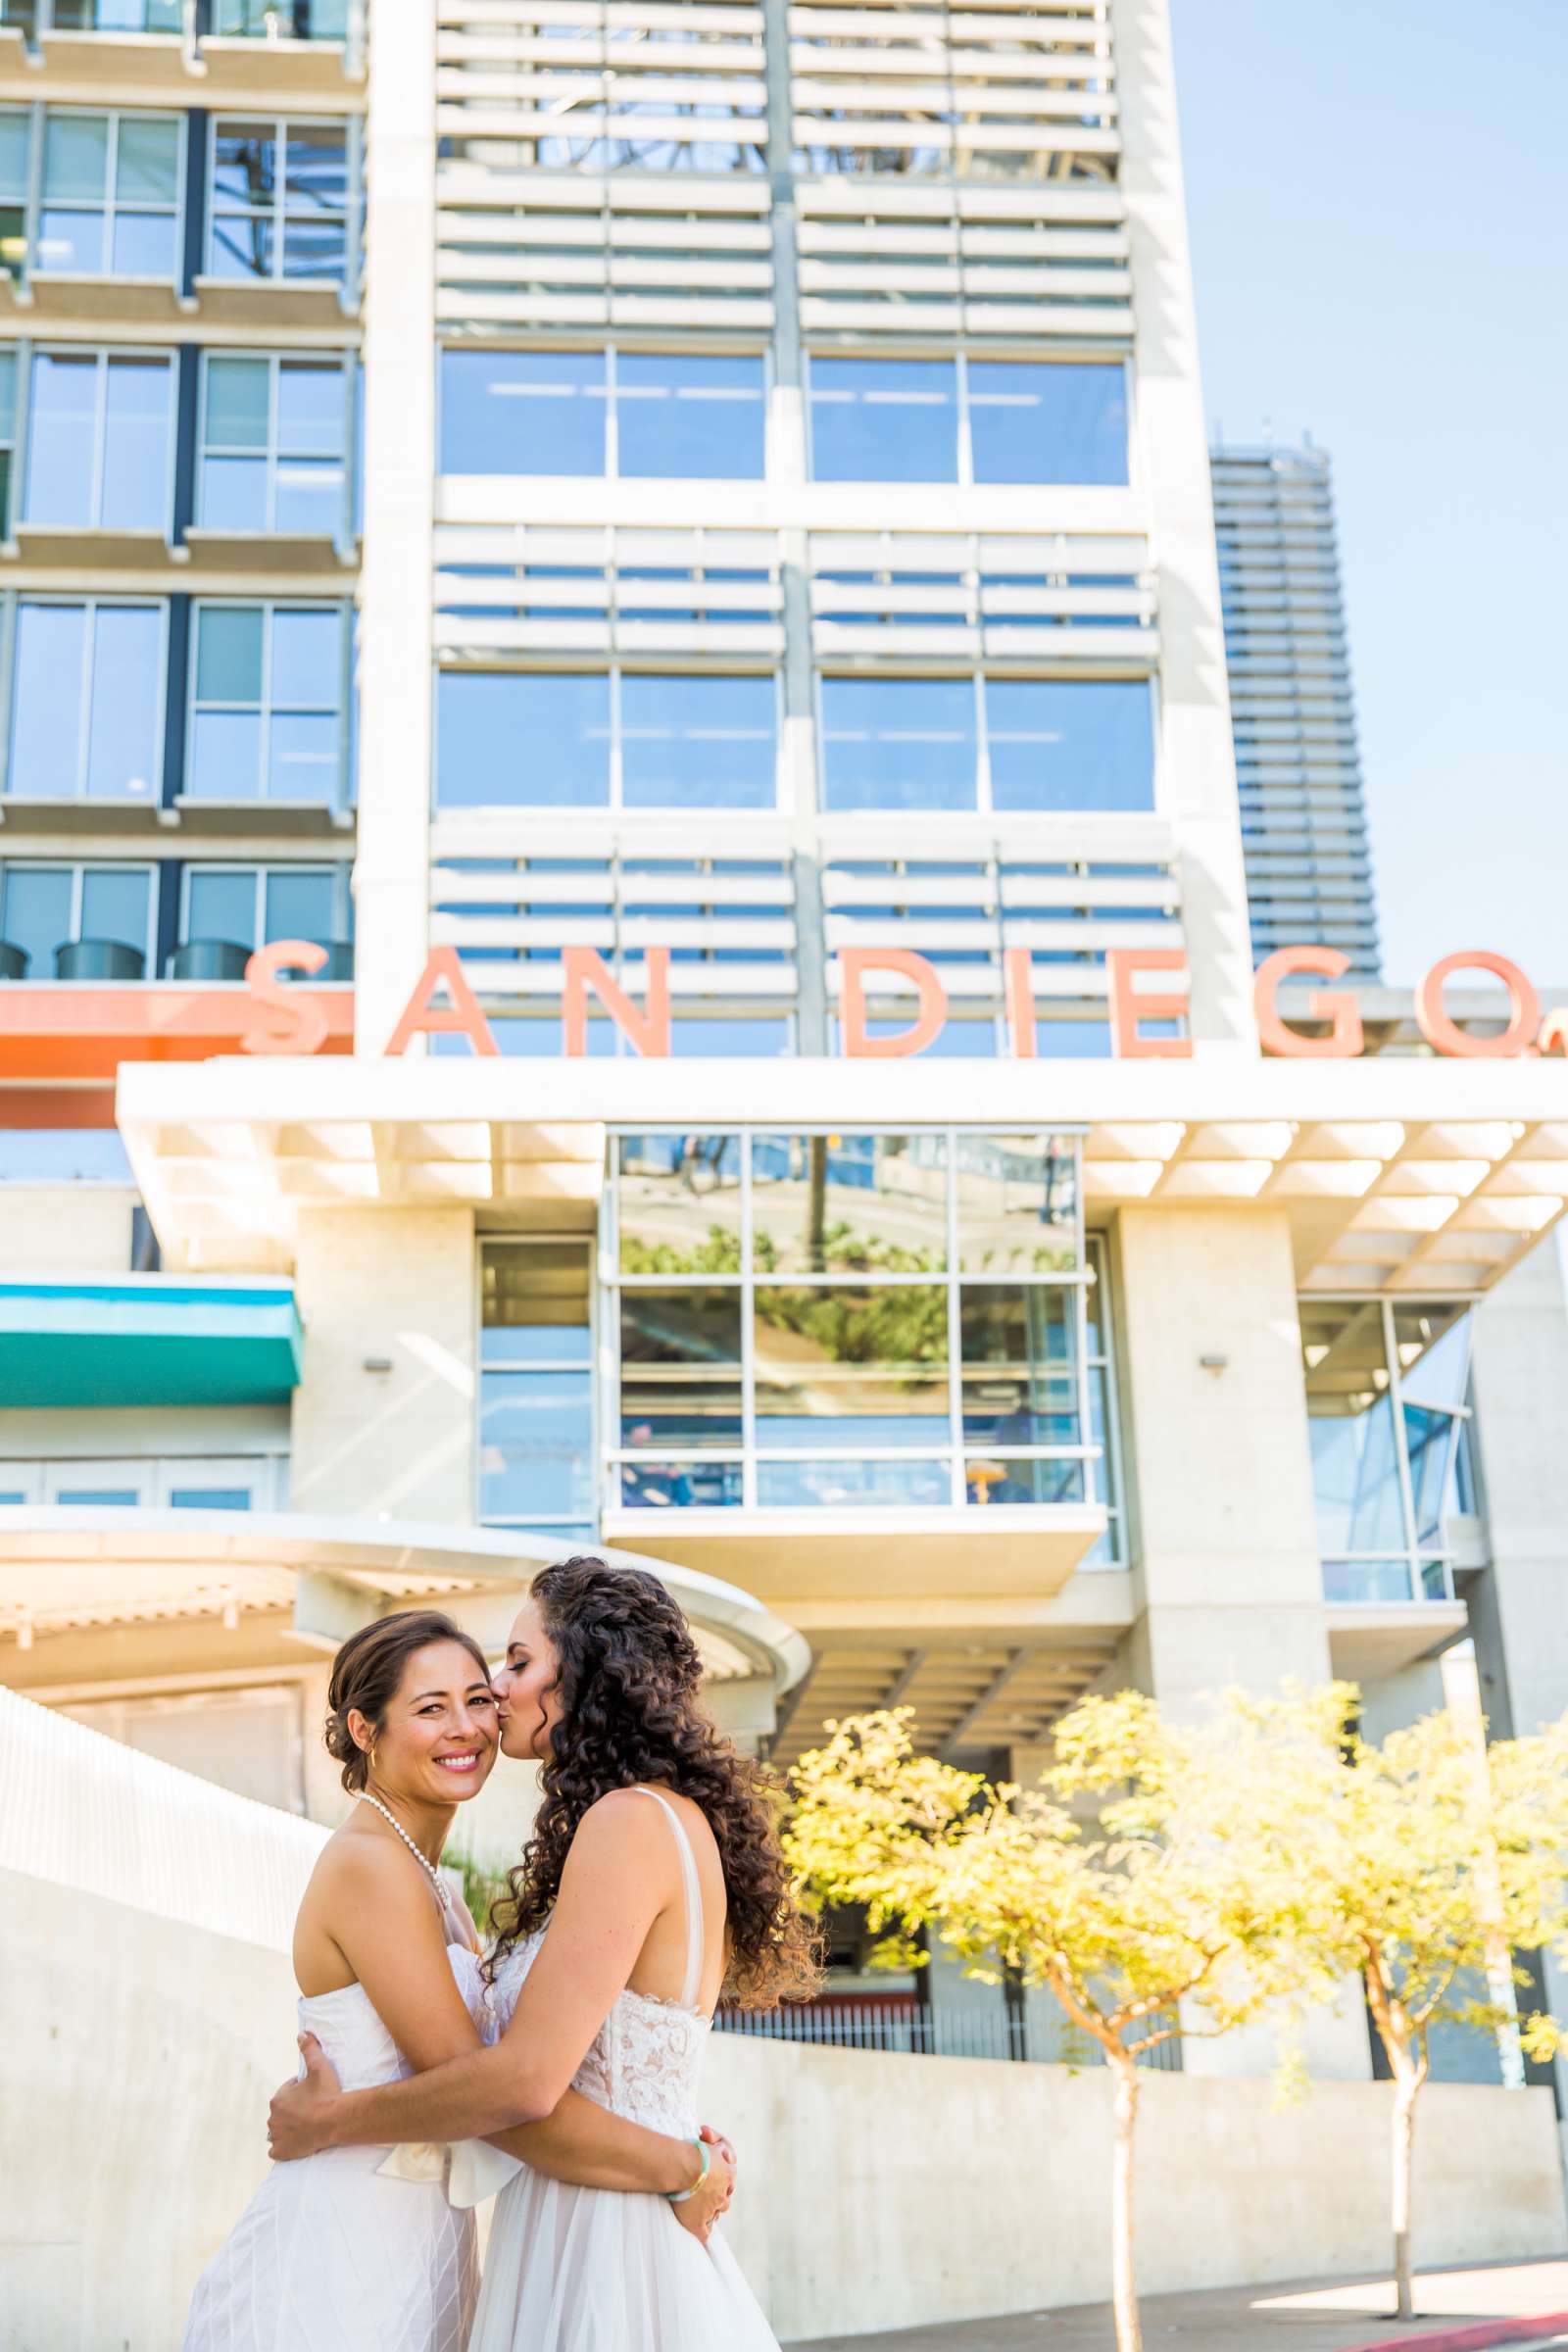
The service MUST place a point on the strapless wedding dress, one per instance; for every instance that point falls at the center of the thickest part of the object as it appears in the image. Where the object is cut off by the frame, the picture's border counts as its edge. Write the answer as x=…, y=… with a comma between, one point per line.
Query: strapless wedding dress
x=331, y=2254
x=596, y=2269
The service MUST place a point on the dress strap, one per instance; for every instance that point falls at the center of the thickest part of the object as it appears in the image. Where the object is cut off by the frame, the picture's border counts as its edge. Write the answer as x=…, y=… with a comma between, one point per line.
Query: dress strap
x=692, y=1885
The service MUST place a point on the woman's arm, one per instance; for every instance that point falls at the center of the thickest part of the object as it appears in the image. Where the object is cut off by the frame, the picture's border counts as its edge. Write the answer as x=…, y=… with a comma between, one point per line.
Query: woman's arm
x=613, y=1888
x=387, y=1929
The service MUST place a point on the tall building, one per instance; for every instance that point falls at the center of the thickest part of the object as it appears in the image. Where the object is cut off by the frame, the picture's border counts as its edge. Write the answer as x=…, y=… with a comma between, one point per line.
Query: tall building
x=1297, y=762
x=645, y=569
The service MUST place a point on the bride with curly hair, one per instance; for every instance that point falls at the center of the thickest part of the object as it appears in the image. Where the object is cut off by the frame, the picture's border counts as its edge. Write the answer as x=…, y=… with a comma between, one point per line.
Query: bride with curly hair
x=653, y=1883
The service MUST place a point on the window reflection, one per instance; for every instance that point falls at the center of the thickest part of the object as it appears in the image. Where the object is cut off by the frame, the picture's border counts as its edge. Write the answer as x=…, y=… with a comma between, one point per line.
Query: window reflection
x=680, y=1359
x=536, y=1417
x=679, y=1202
x=849, y=1203
x=1019, y=1364
x=1017, y=1205
x=847, y=1367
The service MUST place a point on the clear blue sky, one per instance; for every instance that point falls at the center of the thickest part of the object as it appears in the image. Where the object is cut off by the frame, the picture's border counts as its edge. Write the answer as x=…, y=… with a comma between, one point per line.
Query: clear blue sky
x=1379, y=238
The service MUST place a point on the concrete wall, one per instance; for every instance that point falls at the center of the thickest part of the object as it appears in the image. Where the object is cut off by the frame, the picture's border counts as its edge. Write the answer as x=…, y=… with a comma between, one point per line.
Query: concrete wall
x=141, y=2051
x=79, y=1230
x=397, y=1284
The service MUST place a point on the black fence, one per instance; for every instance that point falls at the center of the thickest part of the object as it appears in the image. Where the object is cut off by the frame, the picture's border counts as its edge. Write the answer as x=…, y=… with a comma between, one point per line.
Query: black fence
x=918, y=2032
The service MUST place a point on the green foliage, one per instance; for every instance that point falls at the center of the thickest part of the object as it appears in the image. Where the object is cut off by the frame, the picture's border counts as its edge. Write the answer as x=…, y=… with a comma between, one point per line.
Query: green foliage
x=869, y=1327
x=718, y=1253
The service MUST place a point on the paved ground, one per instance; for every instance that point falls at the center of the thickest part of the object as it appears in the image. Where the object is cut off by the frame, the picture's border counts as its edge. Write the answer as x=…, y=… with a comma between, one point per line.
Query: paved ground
x=1307, y=2318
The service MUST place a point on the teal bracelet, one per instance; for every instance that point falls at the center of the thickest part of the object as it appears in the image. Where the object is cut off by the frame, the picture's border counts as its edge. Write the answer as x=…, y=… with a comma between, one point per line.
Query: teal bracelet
x=678, y=2196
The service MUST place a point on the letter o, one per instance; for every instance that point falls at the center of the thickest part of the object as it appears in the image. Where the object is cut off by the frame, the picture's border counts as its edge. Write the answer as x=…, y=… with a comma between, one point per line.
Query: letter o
x=1446, y=1037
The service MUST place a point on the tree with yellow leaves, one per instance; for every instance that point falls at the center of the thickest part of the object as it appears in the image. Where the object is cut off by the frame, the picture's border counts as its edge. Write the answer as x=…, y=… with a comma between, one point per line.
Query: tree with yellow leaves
x=1427, y=1862
x=1146, y=1882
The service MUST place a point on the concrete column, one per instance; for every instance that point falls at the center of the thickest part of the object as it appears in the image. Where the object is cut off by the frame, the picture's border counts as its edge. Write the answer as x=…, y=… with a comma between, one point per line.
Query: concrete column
x=396, y=1285
x=1519, y=1370
x=392, y=886
x=1170, y=465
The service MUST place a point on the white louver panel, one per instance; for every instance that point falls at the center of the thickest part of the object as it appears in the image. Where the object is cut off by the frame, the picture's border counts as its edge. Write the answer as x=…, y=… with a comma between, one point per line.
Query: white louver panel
x=917, y=596
x=514, y=589
x=888, y=256
x=728, y=922
x=527, y=249
x=1016, y=92
x=962, y=914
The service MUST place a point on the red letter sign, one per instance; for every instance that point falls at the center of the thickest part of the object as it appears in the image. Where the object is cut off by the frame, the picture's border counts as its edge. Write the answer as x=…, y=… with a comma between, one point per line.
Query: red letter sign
x=584, y=968
x=854, y=965
x=1128, y=1009
x=304, y=1023
x=1524, y=1008
x=463, y=1017
x=1345, y=1036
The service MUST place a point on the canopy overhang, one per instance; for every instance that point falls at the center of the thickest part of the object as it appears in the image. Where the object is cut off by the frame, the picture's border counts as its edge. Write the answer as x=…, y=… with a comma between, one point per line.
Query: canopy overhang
x=147, y=1338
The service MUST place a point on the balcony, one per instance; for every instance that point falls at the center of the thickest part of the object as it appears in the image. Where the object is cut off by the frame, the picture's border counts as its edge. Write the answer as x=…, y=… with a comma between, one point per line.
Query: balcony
x=273, y=49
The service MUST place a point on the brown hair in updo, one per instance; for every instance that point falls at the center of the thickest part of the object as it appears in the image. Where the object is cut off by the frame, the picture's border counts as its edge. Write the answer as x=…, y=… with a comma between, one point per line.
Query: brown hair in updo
x=368, y=1672
x=630, y=1713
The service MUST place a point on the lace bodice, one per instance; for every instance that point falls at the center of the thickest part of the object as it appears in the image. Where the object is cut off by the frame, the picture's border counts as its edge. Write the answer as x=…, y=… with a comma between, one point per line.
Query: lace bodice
x=646, y=2060
x=363, y=2054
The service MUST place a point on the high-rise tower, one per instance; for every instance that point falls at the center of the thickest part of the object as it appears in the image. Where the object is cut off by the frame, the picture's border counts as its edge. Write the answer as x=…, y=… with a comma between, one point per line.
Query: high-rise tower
x=1297, y=762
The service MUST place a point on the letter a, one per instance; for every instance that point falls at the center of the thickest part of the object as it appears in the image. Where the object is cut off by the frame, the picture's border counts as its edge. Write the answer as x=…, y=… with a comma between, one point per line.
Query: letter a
x=463, y=1017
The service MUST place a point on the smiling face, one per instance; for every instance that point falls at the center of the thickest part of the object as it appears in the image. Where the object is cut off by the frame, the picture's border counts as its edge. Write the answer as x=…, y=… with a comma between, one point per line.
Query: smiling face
x=437, y=1742
x=527, y=1684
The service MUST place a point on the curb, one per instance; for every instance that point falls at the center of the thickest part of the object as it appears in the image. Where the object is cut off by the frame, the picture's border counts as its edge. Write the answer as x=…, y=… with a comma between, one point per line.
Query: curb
x=1473, y=2338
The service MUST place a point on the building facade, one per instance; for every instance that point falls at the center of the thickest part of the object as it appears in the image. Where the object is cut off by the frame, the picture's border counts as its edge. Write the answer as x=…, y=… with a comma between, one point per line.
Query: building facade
x=1297, y=762
x=684, y=605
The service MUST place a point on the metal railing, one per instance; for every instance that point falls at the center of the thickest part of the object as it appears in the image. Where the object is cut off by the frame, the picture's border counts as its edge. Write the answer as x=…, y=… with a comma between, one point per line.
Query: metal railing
x=919, y=2031
x=235, y=20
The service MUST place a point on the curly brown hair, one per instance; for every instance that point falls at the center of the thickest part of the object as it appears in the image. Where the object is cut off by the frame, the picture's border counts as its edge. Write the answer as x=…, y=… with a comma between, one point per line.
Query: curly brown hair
x=629, y=1679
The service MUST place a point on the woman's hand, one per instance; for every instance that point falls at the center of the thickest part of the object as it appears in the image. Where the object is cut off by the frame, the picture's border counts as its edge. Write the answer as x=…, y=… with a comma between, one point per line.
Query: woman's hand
x=699, y=2212
x=298, y=2122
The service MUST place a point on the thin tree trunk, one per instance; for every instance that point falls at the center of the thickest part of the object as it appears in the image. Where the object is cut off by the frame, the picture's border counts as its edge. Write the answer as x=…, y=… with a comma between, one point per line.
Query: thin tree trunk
x=1124, y=2269
x=1406, y=2086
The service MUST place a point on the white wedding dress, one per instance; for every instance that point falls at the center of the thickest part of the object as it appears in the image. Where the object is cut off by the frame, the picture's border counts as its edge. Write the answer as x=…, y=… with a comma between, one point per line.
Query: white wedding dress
x=597, y=2270
x=333, y=2254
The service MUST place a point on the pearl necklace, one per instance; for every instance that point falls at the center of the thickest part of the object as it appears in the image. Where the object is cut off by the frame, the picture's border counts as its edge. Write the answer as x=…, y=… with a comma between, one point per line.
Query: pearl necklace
x=443, y=1892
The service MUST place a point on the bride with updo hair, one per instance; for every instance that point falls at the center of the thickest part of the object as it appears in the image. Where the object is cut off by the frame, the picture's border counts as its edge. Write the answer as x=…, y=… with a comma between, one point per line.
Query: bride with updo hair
x=366, y=2250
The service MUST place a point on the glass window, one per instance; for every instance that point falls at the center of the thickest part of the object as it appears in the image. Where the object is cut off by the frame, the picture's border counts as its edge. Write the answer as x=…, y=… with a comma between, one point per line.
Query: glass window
x=849, y=1203
x=43, y=907
x=1019, y=1364
x=8, y=426
x=111, y=191
x=889, y=1484
x=899, y=743
x=524, y=738
x=267, y=714
x=87, y=702
x=1055, y=423
x=536, y=1453
x=680, y=1368
x=1069, y=743
x=841, y=1367
x=98, y=440
x=701, y=418
x=299, y=904
x=1018, y=1205
x=16, y=147
x=679, y=1199
x=697, y=742
x=274, y=431
x=221, y=906
x=279, y=200
x=523, y=411
x=884, y=421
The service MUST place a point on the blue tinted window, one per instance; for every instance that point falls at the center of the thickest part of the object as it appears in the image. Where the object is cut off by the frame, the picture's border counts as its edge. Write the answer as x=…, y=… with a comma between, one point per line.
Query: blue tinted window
x=98, y=441
x=268, y=719
x=1046, y=423
x=110, y=188
x=693, y=417
x=697, y=743
x=36, y=914
x=279, y=200
x=1069, y=744
x=522, y=412
x=113, y=904
x=87, y=702
x=898, y=743
x=300, y=905
x=221, y=906
x=509, y=739
x=884, y=421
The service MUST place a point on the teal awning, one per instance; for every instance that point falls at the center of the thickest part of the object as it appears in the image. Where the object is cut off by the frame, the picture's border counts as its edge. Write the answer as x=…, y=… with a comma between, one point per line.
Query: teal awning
x=148, y=1341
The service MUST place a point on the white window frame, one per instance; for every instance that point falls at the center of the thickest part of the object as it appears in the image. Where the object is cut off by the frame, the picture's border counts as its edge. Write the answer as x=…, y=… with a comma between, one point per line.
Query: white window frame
x=281, y=128
x=551, y=1367
x=273, y=457
x=79, y=869
x=92, y=604
x=103, y=354
x=111, y=205
x=268, y=607
x=259, y=875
